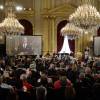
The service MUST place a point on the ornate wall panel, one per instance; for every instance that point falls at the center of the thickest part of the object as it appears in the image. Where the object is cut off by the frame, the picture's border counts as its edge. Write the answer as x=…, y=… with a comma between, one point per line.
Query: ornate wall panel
x=51, y=18
x=45, y=16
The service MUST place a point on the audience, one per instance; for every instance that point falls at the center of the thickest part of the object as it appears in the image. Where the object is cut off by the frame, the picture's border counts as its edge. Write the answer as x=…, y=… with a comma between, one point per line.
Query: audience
x=50, y=77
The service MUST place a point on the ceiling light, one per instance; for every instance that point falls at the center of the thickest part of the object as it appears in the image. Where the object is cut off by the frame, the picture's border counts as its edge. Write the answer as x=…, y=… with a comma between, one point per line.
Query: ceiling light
x=10, y=25
x=19, y=8
x=71, y=31
x=86, y=16
x=1, y=7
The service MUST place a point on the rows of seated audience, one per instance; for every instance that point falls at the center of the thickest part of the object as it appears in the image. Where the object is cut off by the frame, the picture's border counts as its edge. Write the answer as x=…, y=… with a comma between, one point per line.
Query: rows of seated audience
x=50, y=77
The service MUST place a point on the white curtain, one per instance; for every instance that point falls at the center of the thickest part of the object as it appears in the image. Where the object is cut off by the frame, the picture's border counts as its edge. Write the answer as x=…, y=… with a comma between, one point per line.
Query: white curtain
x=65, y=47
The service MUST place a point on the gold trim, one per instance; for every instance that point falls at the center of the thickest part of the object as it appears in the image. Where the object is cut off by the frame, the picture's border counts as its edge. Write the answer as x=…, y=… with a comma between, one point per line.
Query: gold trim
x=26, y=13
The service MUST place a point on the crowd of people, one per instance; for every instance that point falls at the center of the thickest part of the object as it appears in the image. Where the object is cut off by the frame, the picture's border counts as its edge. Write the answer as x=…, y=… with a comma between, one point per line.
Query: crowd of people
x=50, y=77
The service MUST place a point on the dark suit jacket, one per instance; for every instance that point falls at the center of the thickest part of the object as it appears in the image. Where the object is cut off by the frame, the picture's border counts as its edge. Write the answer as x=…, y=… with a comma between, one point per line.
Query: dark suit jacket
x=25, y=50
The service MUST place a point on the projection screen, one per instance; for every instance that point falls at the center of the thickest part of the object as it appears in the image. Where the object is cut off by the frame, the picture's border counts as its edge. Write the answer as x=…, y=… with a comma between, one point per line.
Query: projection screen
x=97, y=46
x=23, y=45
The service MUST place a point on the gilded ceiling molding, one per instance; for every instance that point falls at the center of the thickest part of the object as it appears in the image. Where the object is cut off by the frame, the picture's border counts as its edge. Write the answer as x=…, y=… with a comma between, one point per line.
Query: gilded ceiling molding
x=29, y=13
x=63, y=10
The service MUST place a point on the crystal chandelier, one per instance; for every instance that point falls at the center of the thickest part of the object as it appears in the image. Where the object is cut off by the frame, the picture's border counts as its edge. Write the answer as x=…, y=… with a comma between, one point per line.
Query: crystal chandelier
x=10, y=24
x=86, y=17
x=71, y=31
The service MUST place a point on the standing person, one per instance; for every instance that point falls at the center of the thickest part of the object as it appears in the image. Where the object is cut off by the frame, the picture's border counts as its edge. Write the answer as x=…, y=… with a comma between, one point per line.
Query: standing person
x=96, y=65
x=86, y=55
x=25, y=47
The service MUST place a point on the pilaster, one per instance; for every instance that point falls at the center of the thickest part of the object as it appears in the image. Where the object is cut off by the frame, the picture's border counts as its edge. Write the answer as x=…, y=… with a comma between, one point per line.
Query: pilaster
x=45, y=34
x=52, y=35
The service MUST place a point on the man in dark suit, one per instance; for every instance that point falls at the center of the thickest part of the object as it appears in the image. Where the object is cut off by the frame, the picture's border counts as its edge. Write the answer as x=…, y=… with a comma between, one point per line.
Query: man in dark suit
x=25, y=47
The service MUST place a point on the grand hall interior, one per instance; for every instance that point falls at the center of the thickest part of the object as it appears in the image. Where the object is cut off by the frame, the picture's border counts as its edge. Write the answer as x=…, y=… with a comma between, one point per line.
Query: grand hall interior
x=49, y=50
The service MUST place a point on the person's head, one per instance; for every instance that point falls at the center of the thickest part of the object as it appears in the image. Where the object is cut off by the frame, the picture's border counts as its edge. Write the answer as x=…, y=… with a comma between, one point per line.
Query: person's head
x=28, y=72
x=43, y=74
x=51, y=66
x=63, y=80
x=23, y=77
x=88, y=70
x=81, y=76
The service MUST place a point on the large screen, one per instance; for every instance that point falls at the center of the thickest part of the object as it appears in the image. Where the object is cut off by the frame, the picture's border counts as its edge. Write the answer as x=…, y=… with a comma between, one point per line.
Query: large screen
x=23, y=45
x=97, y=46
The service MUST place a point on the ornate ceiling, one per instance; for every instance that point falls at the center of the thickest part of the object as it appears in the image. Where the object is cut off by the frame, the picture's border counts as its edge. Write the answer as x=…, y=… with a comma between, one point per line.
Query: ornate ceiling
x=39, y=6
x=30, y=3
x=24, y=3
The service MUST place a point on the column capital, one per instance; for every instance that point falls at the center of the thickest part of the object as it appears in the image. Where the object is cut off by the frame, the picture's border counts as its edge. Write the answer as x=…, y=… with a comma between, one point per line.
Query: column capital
x=49, y=16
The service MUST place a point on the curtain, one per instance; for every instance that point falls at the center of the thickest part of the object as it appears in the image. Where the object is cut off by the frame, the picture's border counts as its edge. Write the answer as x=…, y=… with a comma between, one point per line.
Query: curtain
x=60, y=38
x=28, y=28
x=72, y=45
x=98, y=32
x=2, y=50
